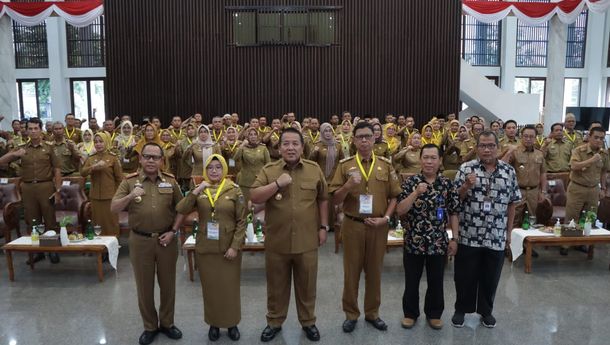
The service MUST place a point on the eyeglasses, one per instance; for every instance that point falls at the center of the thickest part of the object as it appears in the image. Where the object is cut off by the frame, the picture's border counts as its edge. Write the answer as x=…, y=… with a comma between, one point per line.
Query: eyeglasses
x=153, y=157
x=364, y=136
x=487, y=146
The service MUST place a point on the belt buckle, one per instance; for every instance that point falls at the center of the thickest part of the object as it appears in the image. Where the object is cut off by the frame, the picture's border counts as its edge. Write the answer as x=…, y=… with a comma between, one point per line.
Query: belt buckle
x=154, y=235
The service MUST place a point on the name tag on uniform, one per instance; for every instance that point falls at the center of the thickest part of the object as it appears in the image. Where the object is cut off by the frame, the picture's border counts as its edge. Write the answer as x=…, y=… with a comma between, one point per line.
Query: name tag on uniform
x=366, y=204
x=125, y=160
x=3, y=180
x=487, y=205
x=165, y=185
x=552, y=183
x=65, y=183
x=213, y=231
x=231, y=163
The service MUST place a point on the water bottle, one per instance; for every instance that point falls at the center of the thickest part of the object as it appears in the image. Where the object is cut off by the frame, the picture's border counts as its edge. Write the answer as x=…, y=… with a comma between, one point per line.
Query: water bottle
x=195, y=228
x=582, y=220
x=89, y=233
x=35, y=236
x=557, y=229
x=526, y=221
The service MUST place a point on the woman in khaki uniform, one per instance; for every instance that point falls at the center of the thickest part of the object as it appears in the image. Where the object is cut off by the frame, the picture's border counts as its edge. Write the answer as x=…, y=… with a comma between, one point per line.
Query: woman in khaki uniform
x=250, y=157
x=380, y=148
x=272, y=140
x=344, y=137
x=229, y=148
x=169, y=152
x=392, y=139
x=124, y=143
x=407, y=159
x=221, y=209
x=106, y=175
x=200, y=150
x=85, y=147
x=184, y=169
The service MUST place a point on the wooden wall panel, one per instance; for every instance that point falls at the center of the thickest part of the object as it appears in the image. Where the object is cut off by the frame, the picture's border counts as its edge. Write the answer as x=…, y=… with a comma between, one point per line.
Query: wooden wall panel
x=172, y=57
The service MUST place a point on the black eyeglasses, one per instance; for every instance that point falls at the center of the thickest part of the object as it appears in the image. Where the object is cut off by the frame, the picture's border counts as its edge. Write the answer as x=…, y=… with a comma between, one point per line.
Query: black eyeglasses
x=364, y=136
x=487, y=146
x=153, y=157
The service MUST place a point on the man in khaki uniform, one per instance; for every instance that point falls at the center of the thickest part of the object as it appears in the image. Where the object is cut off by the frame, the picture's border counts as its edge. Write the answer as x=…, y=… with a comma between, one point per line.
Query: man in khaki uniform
x=367, y=186
x=65, y=150
x=572, y=135
x=72, y=133
x=528, y=163
x=40, y=178
x=150, y=197
x=589, y=164
x=295, y=195
x=557, y=150
x=175, y=130
x=510, y=137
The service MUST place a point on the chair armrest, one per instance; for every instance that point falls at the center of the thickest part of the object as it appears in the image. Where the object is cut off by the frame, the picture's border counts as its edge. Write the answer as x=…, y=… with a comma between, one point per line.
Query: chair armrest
x=11, y=214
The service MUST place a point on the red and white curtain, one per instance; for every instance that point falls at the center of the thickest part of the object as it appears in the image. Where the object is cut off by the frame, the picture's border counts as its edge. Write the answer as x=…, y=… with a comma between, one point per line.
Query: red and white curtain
x=531, y=13
x=76, y=13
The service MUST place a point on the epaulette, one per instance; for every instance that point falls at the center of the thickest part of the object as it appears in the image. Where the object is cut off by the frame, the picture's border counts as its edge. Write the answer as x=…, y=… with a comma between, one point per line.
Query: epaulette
x=346, y=159
x=132, y=175
x=387, y=160
x=307, y=161
x=235, y=185
x=168, y=174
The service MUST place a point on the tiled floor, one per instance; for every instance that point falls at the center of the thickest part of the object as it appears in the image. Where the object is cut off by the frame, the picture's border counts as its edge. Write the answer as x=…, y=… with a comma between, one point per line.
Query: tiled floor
x=566, y=300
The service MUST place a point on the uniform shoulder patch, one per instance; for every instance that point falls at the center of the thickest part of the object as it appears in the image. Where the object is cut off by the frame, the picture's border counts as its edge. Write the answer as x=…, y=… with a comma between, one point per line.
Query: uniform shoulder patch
x=346, y=159
x=387, y=160
x=132, y=175
x=167, y=174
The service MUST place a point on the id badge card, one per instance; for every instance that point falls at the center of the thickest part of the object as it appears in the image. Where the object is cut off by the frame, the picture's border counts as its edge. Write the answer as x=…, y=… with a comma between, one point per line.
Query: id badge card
x=125, y=160
x=366, y=204
x=231, y=163
x=487, y=205
x=440, y=214
x=213, y=231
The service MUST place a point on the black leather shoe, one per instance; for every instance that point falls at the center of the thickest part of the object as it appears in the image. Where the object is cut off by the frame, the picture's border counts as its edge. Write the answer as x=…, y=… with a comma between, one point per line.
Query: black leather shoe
x=147, y=337
x=312, y=332
x=269, y=333
x=54, y=257
x=214, y=333
x=563, y=251
x=234, y=333
x=378, y=323
x=349, y=325
x=37, y=257
x=173, y=332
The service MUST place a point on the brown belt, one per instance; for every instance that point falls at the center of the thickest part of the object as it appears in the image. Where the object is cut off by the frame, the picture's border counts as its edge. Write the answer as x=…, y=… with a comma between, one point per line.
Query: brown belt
x=529, y=188
x=582, y=185
x=36, y=181
x=150, y=234
x=355, y=219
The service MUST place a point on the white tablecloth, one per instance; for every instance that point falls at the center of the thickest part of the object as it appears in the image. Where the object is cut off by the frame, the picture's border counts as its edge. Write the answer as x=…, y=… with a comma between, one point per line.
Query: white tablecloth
x=111, y=243
x=518, y=235
x=191, y=241
x=392, y=238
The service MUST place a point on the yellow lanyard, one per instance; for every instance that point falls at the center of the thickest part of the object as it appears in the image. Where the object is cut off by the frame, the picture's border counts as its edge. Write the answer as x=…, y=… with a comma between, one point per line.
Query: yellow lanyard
x=70, y=135
x=232, y=148
x=173, y=132
x=343, y=143
x=213, y=200
x=425, y=141
x=88, y=149
x=217, y=137
x=167, y=145
x=408, y=133
x=113, y=135
x=276, y=136
x=189, y=140
x=570, y=138
x=312, y=137
x=126, y=143
x=540, y=140
x=364, y=174
x=333, y=129
x=391, y=144
x=437, y=136
x=453, y=135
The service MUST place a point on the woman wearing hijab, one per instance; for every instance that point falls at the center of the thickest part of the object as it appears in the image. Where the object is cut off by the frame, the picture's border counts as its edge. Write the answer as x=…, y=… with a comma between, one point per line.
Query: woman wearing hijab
x=427, y=135
x=124, y=143
x=380, y=146
x=106, y=175
x=407, y=159
x=250, y=157
x=451, y=155
x=229, y=149
x=85, y=147
x=344, y=137
x=222, y=212
x=391, y=138
x=200, y=150
x=184, y=168
x=169, y=151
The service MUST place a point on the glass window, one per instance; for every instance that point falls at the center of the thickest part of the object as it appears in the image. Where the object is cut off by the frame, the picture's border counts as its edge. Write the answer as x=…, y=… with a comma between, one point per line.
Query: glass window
x=532, y=45
x=30, y=45
x=480, y=42
x=34, y=98
x=576, y=40
x=264, y=25
x=535, y=86
x=86, y=45
x=88, y=99
x=571, y=92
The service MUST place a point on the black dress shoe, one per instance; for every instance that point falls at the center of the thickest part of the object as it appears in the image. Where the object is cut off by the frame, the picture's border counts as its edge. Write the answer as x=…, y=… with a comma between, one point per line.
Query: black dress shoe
x=172, y=332
x=37, y=257
x=234, y=333
x=378, y=323
x=54, y=257
x=563, y=251
x=214, y=333
x=269, y=333
x=312, y=332
x=349, y=325
x=147, y=337
x=584, y=249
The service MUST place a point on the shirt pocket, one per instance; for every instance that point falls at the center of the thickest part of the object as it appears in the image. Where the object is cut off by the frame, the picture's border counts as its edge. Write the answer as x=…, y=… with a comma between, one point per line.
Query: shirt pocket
x=382, y=175
x=309, y=190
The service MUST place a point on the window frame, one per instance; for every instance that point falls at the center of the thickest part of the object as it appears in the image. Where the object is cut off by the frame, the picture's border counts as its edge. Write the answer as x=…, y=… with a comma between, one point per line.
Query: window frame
x=89, y=98
x=39, y=45
x=572, y=27
x=71, y=43
x=464, y=40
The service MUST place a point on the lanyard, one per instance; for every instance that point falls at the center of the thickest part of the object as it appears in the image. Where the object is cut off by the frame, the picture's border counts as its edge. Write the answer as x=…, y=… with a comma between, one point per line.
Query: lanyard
x=571, y=138
x=70, y=135
x=232, y=148
x=126, y=143
x=276, y=136
x=364, y=174
x=313, y=139
x=392, y=144
x=189, y=140
x=453, y=135
x=113, y=135
x=167, y=145
x=217, y=137
x=88, y=149
x=173, y=132
x=540, y=142
x=213, y=200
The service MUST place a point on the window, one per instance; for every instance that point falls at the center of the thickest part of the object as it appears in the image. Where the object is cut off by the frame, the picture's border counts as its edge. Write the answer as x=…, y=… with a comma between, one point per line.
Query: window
x=88, y=98
x=30, y=44
x=571, y=92
x=34, y=98
x=534, y=86
x=577, y=37
x=86, y=45
x=260, y=25
x=532, y=45
x=480, y=42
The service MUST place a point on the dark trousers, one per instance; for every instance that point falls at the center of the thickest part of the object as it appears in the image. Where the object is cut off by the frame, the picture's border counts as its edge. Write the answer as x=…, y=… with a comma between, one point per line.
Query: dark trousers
x=414, y=266
x=477, y=273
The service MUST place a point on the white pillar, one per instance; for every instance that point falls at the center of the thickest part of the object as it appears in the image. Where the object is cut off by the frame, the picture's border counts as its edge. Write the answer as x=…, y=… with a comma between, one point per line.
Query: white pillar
x=60, y=86
x=556, y=67
x=508, y=52
x=8, y=91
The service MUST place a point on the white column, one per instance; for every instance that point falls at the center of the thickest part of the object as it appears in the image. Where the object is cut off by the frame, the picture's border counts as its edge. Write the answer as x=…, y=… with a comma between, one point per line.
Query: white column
x=592, y=84
x=60, y=86
x=8, y=91
x=508, y=55
x=556, y=68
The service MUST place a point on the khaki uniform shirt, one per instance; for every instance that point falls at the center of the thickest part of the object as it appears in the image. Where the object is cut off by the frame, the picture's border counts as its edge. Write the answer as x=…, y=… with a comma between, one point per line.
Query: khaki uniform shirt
x=176, y=134
x=273, y=146
x=38, y=162
x=156, y=211
x=557, y=157
x=73, y=134
x=576, y=138
x=465, y=147
x=505, y=142
x=69, y=159
x=194, y=156
x=183, y=169
x=104, y=182
x=383, y=184
x=591, y=175
x=407, y=161
x=250, y=160
x=292, y=217
x=382, y=149
x=229, y=212
x=228, y=151
x=319, y=155
x=529, y=166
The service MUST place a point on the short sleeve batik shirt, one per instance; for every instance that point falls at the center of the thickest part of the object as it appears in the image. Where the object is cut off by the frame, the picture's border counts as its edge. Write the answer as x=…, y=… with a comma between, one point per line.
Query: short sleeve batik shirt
x=481, y=226
x=426, y=221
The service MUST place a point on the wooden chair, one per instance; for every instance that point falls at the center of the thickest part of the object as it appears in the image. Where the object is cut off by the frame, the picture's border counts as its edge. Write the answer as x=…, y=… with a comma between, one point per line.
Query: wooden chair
x=603, y=211
x=10, y=203
x=73, y=201
x=557, y=194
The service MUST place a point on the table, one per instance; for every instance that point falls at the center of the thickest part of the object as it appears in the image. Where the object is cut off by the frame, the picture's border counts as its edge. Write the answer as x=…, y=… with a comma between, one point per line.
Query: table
x=531, y=238
x=189, y=247
x=105, y=244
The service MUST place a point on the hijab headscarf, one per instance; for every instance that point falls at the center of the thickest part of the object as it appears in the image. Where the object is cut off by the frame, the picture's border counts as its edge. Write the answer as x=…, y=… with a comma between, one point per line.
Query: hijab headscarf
x=393, y=141
x=247, y=132
x=209, y=142
x=331, y=149
x=380, y=138
x=105, y=138
x=123, y=141
x=87, y=148
x=425, y=140
x=220, y=158
x=143, y=140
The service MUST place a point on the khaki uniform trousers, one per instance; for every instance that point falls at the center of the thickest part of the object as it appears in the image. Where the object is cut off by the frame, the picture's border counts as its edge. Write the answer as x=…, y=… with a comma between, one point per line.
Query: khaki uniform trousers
x=101, y=215
x=280, y=268
x=364, y=248
x=36, y=204
x=147, y=258
x=580, y=198
x=529, y=202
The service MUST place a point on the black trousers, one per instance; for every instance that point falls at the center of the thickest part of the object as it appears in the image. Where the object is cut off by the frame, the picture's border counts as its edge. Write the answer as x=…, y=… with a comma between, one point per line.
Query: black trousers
x=414, y=266
x=477, y=273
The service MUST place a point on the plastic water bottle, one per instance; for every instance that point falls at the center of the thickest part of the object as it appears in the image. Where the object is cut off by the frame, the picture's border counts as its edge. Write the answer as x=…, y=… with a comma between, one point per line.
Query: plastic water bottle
x=526, y=221
x=35, y=236
x=557, y=229
x=89, y=233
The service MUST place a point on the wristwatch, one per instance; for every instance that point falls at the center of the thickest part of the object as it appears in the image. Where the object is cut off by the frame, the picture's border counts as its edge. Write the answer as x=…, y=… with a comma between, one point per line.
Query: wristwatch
x=324, y=227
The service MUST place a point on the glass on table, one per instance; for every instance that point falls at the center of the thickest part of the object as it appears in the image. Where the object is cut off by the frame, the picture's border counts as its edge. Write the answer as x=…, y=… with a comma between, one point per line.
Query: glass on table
x=98, y=231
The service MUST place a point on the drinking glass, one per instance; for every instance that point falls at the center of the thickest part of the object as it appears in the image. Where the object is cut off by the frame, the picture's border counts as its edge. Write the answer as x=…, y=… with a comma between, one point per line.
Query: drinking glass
x=98, y=231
